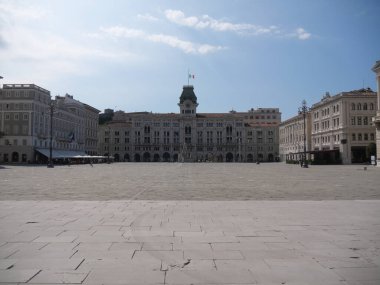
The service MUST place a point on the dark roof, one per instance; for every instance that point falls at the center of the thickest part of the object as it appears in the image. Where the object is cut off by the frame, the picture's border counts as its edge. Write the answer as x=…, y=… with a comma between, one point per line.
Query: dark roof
x=188, y=94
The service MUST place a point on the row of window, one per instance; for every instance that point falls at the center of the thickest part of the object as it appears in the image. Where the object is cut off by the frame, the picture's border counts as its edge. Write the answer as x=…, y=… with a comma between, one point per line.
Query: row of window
x=175, y=148
x=364, y=137
x=45, y=98
x=326, y=111
x=200, y=140
x=187, y=131
x=199, y=124
x=17, y=116
x=359, y=120
x=15, y=106
x=359, y=106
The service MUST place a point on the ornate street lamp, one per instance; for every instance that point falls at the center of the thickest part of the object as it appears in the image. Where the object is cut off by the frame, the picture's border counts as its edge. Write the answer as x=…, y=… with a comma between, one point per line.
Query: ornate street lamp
x=109, y=147
x=50, y=164
x=303, y=110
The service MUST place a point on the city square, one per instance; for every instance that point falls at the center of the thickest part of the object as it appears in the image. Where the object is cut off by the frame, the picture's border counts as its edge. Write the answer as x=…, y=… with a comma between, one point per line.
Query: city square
x=189, y=223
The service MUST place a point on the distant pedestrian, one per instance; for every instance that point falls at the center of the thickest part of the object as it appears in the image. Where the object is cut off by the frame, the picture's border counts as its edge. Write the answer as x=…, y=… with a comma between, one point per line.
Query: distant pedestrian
x=91, y=163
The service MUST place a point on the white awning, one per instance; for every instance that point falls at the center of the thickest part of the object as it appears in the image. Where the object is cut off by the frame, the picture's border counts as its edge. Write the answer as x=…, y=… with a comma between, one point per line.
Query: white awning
x=62, y=153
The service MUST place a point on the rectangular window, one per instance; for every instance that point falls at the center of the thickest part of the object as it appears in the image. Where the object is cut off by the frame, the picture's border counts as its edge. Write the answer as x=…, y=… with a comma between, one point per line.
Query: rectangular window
x=354, y=137
x=353, y=121
x=359, y=121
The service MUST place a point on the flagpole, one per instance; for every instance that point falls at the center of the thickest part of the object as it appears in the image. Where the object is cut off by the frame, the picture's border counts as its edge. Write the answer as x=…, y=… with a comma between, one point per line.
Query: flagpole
x=188, y=77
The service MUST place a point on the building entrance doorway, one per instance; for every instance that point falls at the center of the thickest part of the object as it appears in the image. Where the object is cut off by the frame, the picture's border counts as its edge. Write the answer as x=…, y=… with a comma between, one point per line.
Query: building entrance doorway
x=358, y=154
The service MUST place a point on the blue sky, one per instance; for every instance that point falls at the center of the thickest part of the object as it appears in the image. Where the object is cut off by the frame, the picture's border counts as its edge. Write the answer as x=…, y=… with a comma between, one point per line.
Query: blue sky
x=135, y=55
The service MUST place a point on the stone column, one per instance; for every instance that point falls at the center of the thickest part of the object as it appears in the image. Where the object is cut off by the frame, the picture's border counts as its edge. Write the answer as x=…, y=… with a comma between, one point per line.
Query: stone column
x=376, y=120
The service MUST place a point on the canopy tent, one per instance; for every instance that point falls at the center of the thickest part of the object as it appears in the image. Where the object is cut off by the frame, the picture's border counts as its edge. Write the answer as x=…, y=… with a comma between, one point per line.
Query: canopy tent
x=56, y=154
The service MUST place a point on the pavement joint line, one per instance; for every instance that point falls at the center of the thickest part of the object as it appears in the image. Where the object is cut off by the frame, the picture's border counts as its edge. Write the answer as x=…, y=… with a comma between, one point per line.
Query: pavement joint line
x=76, y=268
x=33, y=276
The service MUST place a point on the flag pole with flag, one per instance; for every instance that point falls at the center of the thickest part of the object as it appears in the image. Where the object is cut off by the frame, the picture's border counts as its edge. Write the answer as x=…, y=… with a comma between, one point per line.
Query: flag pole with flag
x=189, y=76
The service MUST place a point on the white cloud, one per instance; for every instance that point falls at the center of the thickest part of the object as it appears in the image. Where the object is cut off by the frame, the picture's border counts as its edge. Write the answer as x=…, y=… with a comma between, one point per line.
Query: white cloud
x=9, y=11
x=185, y=46
x=302, y=34
x=118, y=31
x=41, y=54
x=207, y=22
x=147, y=17
x=178, y=17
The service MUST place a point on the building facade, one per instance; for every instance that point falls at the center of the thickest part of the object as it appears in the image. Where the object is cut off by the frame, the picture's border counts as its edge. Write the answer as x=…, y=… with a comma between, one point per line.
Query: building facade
x=291, y=144
x=376, y=119
x=191, y=136
x=25, y=124
x=341, y=125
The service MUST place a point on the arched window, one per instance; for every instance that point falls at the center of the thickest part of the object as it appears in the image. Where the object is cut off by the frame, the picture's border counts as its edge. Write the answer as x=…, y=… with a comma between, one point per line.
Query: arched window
x=187, y=130
x=359, y=106
x=353, y=106
x=371, y=107
x=365, y=106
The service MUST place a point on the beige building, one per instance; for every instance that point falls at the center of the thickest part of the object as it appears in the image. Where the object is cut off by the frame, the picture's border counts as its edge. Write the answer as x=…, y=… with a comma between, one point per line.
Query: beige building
x=341, y=126
x=291, y=143
x=376, y=119
x=25, y=117
x=191, y=136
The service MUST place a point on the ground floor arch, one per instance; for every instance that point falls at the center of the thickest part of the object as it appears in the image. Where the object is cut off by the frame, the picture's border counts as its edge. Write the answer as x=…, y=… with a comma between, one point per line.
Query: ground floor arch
x=137, y=157
x=166, y=157
x=116, y=157
x=15, y=156
x=229, y=157
x=146, y=157
x=156, y=157
x=250, y=157
x=126, y=157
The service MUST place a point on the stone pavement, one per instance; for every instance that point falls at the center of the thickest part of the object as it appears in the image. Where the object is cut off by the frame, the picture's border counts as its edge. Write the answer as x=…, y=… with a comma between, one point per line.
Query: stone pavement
x=190, y=242
x=171, y=223
x=190, y=181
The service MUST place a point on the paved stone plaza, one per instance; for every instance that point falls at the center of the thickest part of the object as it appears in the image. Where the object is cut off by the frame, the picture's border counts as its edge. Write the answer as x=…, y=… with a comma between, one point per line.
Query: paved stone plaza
x=190, y=224
x=201, y=181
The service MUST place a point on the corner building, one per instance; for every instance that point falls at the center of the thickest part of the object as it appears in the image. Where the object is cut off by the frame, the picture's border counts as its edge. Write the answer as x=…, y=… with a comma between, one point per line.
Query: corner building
x=292, y=138
x=342, y=125
x=190, y=136
x=376, y=119
x=25, y=117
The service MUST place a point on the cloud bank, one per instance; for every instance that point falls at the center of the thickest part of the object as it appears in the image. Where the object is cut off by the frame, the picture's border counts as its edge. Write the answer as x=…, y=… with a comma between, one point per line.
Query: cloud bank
x=172, y=41
x=206, y=22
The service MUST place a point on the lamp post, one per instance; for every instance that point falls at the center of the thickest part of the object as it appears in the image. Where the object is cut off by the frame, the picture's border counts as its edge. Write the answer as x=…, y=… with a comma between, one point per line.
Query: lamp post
x=303, y=110
x=109, y=147
x=257, y=148
x=50, y=164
